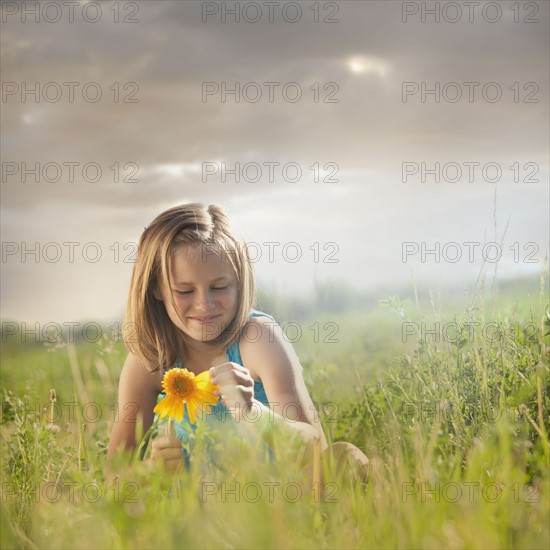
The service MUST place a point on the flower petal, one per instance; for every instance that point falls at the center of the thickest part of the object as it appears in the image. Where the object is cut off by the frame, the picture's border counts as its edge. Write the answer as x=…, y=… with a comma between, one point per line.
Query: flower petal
x=171, y=406
x=191, y=406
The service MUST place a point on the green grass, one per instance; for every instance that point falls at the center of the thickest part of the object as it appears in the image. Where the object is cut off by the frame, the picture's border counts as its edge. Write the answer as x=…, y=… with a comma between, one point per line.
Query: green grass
x=456, y=431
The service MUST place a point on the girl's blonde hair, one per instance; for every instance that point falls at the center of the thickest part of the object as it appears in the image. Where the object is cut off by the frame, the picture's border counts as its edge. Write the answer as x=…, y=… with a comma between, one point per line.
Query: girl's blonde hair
x=148, y=331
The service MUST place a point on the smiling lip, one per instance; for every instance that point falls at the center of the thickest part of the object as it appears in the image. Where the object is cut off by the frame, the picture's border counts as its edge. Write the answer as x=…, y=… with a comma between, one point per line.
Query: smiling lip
x=203, y=320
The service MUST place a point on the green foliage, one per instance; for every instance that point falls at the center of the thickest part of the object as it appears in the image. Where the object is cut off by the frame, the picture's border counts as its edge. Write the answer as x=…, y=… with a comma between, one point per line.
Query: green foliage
x=437, y=416
x=460, y=386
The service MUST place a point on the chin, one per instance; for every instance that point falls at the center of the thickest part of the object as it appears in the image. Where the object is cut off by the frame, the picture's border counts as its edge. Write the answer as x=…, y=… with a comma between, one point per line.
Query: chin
x=205, y=335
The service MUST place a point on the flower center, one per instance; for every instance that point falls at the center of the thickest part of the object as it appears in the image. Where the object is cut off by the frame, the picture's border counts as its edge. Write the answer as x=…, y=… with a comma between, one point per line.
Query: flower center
x=180, y=383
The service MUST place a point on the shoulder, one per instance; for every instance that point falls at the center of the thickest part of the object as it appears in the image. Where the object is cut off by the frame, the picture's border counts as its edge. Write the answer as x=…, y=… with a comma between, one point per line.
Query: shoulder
x=136, y=375
x=264, y=347
x=260, y=331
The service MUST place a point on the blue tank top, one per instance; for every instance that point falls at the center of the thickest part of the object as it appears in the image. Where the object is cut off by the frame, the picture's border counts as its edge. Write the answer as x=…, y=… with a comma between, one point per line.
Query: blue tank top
x=233, y=354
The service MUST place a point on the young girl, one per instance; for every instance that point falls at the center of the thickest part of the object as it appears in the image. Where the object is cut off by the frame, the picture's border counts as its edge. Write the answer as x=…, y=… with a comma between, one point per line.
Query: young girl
x=190, y=305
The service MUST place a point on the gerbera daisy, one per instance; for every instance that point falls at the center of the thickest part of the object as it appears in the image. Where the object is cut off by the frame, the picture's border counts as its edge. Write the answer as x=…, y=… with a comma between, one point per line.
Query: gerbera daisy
x=182, y=386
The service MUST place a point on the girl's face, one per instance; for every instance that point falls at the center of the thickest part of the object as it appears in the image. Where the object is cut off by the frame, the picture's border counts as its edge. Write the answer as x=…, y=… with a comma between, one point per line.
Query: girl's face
x=205, y=292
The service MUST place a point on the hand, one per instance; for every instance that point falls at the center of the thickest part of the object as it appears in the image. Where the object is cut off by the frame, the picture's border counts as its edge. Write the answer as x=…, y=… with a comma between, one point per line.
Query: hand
x=167, y=450
x=235, y=385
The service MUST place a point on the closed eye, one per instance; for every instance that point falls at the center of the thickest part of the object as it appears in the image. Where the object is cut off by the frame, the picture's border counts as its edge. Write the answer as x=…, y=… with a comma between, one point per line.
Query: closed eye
x=213, y=288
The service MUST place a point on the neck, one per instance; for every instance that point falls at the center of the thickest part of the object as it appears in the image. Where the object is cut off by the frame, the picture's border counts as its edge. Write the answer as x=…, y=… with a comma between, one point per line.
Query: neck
x=202, y=350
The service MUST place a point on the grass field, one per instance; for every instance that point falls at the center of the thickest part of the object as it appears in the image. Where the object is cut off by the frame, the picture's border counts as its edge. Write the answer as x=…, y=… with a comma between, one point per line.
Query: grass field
x=447, y=398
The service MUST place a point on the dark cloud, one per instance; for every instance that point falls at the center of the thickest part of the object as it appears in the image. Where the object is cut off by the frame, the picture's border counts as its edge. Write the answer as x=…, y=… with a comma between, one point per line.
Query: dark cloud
x=170, y=53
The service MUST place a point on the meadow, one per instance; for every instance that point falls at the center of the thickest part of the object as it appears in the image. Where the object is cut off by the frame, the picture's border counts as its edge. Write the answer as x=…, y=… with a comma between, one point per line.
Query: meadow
x=447, y=396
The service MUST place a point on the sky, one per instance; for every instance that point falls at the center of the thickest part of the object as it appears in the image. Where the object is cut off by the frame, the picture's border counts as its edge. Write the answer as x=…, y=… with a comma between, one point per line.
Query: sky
x=365, y=135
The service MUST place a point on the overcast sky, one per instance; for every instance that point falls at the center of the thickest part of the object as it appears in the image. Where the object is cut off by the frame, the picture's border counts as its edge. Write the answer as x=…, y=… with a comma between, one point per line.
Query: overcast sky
x=361, y=116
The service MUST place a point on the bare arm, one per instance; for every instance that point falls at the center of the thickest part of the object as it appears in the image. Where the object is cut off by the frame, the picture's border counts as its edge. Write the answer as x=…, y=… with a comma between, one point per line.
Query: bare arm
x=137, y=396
x=278, y=366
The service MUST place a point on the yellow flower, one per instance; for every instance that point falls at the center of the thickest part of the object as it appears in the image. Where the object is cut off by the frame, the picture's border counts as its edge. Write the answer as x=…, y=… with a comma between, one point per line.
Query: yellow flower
x=182, y=386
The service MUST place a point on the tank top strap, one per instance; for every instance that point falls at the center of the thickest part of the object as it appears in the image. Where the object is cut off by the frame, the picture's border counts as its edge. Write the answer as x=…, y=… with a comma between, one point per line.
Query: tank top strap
x=233, y=352
x=234, y=355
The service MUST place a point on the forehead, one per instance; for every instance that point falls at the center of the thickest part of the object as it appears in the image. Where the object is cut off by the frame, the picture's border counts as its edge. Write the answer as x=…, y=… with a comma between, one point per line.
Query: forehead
x=189, y=262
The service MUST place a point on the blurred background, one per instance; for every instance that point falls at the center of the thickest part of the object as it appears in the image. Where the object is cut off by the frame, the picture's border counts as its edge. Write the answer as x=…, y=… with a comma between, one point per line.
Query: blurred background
x=390, y=131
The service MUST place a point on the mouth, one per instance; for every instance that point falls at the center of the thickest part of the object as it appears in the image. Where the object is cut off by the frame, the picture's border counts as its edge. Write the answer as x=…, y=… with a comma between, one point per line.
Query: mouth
x=204, y=320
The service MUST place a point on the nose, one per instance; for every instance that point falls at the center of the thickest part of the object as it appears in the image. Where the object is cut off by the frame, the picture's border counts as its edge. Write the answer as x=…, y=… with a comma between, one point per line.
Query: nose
x=204, y=301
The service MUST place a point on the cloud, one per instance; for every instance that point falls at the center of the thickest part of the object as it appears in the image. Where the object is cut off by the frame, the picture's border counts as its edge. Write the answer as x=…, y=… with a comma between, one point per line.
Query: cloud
x=362, y=61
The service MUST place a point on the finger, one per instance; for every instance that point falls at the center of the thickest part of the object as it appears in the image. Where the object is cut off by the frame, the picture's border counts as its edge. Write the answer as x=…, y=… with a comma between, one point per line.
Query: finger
x=165, y=456
x=236, y=378
x=171, y=453
x=221, y=370
x=240, y=368
x=226, y=381
x=166, y=441
x=243, y=378
x=246, y=391
x=241, y=394
x=228, y=366
x=231, y=388
x=221, y=367
x=224, y=378
x=246, y=380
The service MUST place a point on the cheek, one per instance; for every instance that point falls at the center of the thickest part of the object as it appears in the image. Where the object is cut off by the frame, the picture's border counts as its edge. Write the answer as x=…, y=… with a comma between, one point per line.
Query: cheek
x=180, y=302
x=232, y=297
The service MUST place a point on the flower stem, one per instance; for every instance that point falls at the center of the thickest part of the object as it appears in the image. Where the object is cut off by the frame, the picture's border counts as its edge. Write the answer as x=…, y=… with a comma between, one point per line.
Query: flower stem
x=169, y=427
